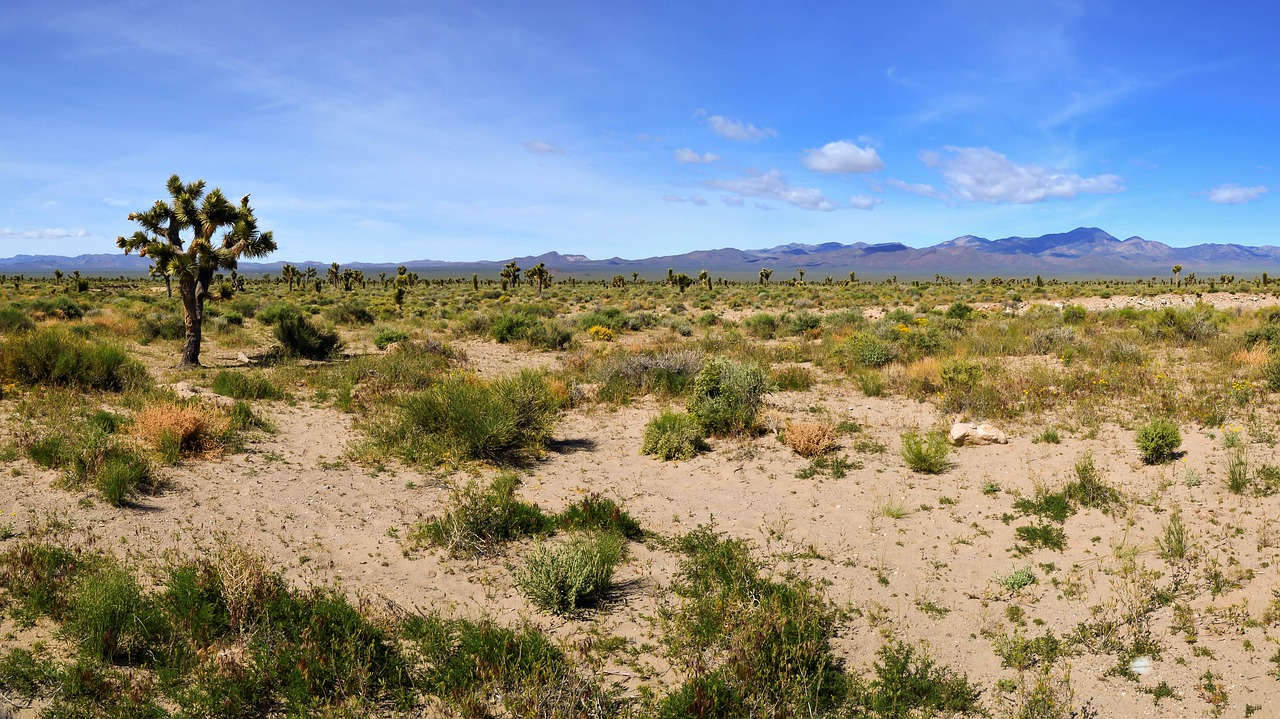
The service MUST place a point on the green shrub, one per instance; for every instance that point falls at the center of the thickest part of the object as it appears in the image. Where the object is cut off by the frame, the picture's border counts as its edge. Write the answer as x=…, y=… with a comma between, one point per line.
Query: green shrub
x=161, y=325
x=39, y=577
x=867, y=350
x=960, y=376
x=1271, y=372
x=959, y=311
x=907, y=683
x=600, y=513
x=299, y=337
x=273, y=312
x=1088, y=489
x=121, y=475
x=671, y=436
x=110, y=616
x=1158, y=441
x=55, y=357
x=568, y=578
x=350, y=312
x=464, y=417
x=479, y=518
x=246, y=385
x=1074, y=314
x=927, y=453
x=667, y=373
x=61, y=307
x=727, y=397
x=13, y=319
x=384, y=337
x=792, y=378
x=761, y=325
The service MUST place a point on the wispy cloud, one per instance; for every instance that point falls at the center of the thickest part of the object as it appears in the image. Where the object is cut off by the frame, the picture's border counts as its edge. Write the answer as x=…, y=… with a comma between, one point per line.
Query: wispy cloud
x=541, y=147
x=1232, y=194
x=685, y=156
x=980, y=174
x=49, y=233
x=842, y=157
x=772, y=186
x=737, y=130
x=864, y=202
x=920, y=188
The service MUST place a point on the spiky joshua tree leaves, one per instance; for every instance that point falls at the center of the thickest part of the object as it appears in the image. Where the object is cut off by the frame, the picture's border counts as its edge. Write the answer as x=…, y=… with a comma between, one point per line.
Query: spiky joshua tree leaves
x=194, y=258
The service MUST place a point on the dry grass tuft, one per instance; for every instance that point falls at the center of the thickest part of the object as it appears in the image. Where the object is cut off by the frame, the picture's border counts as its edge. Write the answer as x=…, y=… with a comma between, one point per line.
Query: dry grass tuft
x=810, y=439
x=925, y=375
x=247, y=582
x=1256, y=356
x=191, y=428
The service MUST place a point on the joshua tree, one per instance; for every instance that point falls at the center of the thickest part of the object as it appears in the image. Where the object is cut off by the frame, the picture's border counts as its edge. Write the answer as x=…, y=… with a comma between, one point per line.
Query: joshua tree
x=57, y=277
x=335, y=274
x=290, y=274
x=195, y=259
x=764, y=276
x=634, y=276
x=539, y=276
x=800, y=271
x=705, y=278
x=1177, y=270
x=682, y=282
x=510, y=274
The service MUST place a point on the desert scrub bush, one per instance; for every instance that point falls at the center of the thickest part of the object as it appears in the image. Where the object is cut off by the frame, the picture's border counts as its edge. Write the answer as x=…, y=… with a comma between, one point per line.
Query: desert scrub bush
x=864, y=350
x=1017, y=580
x=246, y=385
x=110, y=616
x=481, y=517
x=727, y=396
x=564, y=579
x=1088, y=489
x=600, y=333
x=761, y=325
x=13, y=319
x=925, y=453
x=666, y=373
x=1158, y=441
x=810, y=439
x=792, y=378
x=349, y=312
x=52, y=356
x=462, y=417
x=672, y=436
x=384, y=337
x=300, y=337
x=906, y=682
x=599, y=513
x=273, y=312
x=1185, y=324
x=1074, y=314
x=615, y=319
x=184, y=429
x=524, y=325
x=39, y=577
x=751, y=645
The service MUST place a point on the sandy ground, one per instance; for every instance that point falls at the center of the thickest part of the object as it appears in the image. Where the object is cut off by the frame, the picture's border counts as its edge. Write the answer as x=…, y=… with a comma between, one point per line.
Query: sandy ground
x=929, y=575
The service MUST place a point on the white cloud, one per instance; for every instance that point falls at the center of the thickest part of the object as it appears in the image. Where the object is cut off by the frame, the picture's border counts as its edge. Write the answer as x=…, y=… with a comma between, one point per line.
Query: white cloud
x=864, y=202
x=49, y=233
x=771, y=186
x=114, y=202
x=737, y=130
x=980, y=174
x=732, y=200
x=698, y=200
x=1232, y=194
x=842, y=157
x=922, y=189
x=538, y=147
x=685, y=156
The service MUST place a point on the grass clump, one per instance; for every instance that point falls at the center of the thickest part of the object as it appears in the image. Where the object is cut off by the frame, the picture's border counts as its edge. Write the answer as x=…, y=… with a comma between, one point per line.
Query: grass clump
x=1088, y=489
x=1158, y=441
x=727, y=397
x=925, y=453
x=384, y=337
x=51, y=356
x=1017, y=580
x=672, y=436
x=184, y=429
x=246, y=385
x=479, y=518
x=300, y=337
x=599, y=513
x=906, y=682
x=573, y=576
x=463, y=417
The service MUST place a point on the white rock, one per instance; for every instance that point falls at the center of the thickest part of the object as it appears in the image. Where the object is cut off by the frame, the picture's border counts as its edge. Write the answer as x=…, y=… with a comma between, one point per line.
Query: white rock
x=967, y=433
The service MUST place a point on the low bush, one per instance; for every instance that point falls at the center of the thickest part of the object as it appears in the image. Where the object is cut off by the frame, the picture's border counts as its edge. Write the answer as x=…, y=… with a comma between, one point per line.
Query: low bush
x=1158, y=441
x=866, y=350
x=727, y=397
x=463, y=417
x=810, y=439
x=246, y=385
x=672, y=436
x=384, y=337
x=666, y=373
x=599, y=513
x=299, y=337
x=13, y=319
x=792, y=378
x=177, y=429
x=925, y=453
x=573, y=576
x=53, y=356
x=479, y=518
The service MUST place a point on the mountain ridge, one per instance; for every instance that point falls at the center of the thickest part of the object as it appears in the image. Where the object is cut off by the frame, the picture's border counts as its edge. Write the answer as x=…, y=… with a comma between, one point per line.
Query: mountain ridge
x=1083, y=251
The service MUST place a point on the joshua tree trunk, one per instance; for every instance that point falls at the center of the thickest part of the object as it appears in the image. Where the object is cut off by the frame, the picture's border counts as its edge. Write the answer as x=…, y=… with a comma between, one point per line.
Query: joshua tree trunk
x=193, y=292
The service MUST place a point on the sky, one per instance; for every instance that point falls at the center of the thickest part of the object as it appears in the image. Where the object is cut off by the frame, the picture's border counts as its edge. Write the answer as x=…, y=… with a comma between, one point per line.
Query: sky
x=392, y=131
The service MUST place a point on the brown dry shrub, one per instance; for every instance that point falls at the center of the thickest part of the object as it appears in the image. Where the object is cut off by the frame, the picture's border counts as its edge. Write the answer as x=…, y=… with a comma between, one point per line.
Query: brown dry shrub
x=198, y=429
x=118, y=325
x=924, y=376
x=810, y=439
x=248, y=583
x=1255, y=356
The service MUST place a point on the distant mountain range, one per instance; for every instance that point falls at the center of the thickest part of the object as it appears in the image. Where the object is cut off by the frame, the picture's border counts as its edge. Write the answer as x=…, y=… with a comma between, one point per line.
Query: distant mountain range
x=1082, y=252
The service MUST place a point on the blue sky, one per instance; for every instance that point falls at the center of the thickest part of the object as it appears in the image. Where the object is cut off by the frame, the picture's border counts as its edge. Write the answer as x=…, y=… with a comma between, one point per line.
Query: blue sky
x=384, y=131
